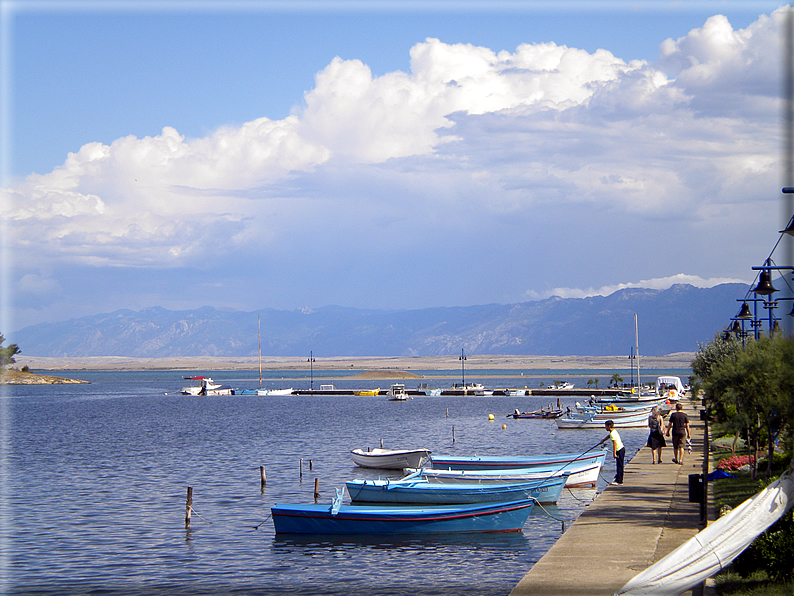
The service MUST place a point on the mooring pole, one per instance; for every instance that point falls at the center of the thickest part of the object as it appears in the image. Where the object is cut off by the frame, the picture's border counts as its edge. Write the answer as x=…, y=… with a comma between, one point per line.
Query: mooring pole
x=188, y=506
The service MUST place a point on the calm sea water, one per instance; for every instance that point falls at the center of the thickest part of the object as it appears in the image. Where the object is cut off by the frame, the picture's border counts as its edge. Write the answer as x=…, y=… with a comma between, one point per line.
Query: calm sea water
x=96, y=478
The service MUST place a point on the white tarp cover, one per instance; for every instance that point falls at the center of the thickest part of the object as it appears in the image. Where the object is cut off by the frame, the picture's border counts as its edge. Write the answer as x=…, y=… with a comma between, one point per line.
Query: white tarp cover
x=674, y=381
x=716, y=546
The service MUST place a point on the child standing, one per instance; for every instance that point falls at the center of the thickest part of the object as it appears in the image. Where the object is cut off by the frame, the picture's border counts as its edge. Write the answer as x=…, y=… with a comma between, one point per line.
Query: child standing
x=618, y=450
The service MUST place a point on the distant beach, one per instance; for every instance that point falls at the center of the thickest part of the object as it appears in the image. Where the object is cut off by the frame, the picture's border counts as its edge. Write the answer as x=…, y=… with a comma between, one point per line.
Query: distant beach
x=364, y=364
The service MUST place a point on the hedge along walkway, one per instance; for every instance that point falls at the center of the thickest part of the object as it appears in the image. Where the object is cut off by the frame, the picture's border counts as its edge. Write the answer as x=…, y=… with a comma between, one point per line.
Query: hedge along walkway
x=627, y=528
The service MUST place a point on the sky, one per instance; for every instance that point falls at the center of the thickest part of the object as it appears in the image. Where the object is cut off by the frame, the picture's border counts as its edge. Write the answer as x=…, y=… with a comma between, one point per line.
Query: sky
x=383, y=155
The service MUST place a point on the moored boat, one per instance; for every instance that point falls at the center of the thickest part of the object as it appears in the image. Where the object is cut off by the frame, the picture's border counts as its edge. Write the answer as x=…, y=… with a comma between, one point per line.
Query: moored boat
x=206, y=386
x=562, y=461
x=274, y=391
x=390, y=459
x=367, y=392
x=379, y=520
x=578, y=474
x=397, y=392
x=542, y=413
x=415, y=489
x=634, y=421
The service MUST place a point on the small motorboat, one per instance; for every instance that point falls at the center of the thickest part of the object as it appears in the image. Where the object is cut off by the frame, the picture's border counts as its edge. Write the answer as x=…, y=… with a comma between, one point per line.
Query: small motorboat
x=397, y=392
x=415, y=490
x=390, y=459
x=385, y=519
x=206, y=386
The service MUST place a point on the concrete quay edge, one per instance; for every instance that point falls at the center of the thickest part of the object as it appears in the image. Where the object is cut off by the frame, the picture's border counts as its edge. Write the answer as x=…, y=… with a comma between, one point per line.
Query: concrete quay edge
x=627, y=528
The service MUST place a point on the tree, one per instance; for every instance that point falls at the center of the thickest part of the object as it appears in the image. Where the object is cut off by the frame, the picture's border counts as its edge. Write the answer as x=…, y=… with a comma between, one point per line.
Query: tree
x=749, y=389
x=7, y=353
x=616, y=380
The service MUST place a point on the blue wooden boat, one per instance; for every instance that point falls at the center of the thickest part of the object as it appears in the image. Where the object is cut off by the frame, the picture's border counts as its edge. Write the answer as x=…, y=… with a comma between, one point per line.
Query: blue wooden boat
x=381, y=520
x=561, y=461
x=415, y=489
x=578, y=473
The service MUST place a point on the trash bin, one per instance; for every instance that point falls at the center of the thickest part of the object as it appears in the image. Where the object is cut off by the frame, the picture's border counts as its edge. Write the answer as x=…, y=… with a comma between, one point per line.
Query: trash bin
x=696, y=488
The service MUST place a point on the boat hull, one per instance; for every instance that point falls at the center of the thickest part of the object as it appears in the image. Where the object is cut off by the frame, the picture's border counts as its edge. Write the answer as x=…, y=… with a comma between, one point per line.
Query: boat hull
x=274, y=391
x=578, y=475
x=640, y=421
x=422, y=491
x=361, y=519
x=501, y=462
x=390, y=459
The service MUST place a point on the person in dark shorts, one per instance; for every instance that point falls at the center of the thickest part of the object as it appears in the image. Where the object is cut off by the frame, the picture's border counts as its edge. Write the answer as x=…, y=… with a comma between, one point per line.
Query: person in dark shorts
x=618, y=450
x=679, y=427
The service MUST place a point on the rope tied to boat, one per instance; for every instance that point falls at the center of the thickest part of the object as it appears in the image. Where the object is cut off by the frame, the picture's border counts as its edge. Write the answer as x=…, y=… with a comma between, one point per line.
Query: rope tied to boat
x=256, y=527
x=539, y=504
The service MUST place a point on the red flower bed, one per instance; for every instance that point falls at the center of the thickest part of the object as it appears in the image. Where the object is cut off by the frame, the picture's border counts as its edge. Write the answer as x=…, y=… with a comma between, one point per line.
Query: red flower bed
x=735, y=462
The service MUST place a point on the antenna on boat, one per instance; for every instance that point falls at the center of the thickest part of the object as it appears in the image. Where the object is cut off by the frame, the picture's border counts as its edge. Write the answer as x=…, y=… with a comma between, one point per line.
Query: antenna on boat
x=259, y=338
x=637, y=354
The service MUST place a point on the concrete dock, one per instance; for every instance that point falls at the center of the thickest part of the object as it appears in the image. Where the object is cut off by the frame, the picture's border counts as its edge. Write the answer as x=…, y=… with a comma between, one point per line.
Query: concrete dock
x=627, y=528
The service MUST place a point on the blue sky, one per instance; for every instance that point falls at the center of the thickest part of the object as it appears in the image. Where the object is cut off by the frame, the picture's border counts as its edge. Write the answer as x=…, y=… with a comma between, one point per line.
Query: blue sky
x=382, y=155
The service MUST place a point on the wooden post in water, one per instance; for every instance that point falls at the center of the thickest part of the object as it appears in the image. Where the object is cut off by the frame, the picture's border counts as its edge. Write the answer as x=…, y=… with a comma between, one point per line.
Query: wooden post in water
x=262, y=475
x=316, y=490
x=300, y=468
x=453, y=434
x=447, y=412
x=381, y=442
x=311, y=462
x=188, y=506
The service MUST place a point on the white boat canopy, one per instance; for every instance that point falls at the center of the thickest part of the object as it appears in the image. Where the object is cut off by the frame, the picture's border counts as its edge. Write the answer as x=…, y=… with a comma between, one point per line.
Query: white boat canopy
x=674, y=381
x=712, y=549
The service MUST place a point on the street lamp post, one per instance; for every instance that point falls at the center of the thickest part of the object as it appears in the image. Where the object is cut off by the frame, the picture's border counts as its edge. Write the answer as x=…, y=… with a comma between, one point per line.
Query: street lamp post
x=311, y=370
x=463, y=369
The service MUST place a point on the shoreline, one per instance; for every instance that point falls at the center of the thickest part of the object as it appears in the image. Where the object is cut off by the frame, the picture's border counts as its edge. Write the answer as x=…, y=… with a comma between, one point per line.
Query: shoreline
x=680, y=360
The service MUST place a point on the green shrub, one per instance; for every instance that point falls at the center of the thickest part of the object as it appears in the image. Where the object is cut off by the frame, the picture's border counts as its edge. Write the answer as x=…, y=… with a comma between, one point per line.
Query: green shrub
x=780, y=463
x=772, y=551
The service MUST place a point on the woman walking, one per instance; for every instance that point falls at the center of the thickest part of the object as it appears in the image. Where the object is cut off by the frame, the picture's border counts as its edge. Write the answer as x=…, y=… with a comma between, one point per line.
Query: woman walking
x=656, y=438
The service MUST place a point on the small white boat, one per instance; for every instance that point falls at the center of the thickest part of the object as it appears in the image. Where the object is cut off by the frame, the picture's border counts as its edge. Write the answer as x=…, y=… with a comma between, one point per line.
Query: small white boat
x=669, y=388
x=397, y=392
x=206, y=386
x=274, y=391
x=562, y=385
x=390, y=459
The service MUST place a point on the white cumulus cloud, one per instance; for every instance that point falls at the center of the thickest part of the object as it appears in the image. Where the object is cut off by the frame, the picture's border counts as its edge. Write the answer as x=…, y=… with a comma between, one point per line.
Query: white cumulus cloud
x=516, y=149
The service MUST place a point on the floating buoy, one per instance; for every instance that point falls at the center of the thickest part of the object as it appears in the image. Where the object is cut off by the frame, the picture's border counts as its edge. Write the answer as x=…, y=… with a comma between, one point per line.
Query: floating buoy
x=504, y=426
x=490, y=417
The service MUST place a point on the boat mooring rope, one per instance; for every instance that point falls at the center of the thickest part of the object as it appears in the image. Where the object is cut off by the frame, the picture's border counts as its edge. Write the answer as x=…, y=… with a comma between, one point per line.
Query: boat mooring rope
x=256, y=527
x=538, y=503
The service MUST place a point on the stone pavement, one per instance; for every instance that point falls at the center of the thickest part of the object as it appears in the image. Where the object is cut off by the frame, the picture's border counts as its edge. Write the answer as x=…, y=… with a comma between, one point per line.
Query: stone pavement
x=627, y=528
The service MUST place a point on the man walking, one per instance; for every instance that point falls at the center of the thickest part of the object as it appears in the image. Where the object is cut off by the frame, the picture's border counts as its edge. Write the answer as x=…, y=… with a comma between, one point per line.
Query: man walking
x=679, y=426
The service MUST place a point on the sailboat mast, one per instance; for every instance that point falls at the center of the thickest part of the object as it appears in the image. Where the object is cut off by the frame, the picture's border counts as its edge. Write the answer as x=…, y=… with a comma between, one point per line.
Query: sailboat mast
x=259, y=339
x=637, y=353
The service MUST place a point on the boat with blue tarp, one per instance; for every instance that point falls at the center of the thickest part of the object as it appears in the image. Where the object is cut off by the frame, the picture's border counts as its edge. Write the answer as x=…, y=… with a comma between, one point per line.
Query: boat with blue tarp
x=414, y=489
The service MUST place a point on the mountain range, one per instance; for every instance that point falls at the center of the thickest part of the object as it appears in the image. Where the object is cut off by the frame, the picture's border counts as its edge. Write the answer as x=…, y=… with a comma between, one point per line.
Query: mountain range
x=672, y=320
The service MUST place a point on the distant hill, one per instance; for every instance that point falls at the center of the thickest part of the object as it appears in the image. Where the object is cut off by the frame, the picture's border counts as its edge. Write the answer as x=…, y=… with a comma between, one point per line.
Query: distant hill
x=672, y=320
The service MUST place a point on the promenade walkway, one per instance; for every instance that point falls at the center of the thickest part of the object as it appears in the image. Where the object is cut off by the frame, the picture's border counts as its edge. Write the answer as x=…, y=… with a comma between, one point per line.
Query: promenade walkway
x=627, y=528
